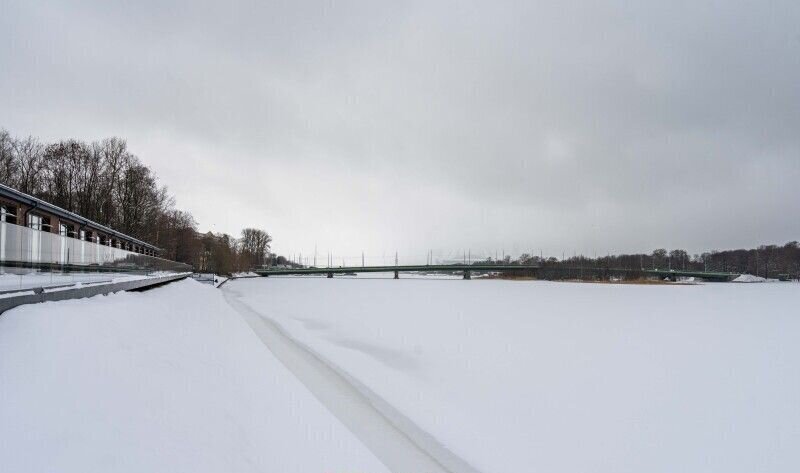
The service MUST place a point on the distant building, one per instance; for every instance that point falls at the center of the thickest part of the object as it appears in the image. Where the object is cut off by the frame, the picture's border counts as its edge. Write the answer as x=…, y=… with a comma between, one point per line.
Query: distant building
x=34, y=231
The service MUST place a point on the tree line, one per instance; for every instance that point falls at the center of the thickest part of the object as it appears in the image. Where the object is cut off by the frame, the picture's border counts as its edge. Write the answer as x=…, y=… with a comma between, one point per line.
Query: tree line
x=768, y=261
x=104, y=182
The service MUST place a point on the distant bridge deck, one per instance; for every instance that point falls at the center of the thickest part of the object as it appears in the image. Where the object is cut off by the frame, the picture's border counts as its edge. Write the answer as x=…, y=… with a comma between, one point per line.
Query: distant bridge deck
x=467, y=269
x=431, y=268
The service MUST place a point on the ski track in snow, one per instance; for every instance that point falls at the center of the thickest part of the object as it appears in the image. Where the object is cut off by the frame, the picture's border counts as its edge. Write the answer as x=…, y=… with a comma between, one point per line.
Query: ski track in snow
x=521, y=376
x=399, y=443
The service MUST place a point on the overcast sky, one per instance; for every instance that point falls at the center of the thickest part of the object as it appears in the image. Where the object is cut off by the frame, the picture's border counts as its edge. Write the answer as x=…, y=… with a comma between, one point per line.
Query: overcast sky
x=402, y=126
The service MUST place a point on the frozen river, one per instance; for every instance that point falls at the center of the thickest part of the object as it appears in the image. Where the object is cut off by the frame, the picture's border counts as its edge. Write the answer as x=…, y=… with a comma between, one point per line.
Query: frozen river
x=501, y=376
x=423, y=376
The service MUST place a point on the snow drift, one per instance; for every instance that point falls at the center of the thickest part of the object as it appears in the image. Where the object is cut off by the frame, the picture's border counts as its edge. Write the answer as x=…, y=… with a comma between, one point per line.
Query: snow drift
x=749, y=278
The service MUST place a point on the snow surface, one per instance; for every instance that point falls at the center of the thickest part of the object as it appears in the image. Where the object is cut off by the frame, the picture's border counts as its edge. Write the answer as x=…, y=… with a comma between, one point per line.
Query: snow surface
x=218, y=280
x=391, y=444
x=29, y=279
x=514, y=376
x=749, y=278
x=169, y=380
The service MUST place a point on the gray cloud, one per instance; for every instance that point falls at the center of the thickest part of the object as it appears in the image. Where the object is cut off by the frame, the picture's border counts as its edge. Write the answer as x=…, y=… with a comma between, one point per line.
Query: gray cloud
x=602, y=126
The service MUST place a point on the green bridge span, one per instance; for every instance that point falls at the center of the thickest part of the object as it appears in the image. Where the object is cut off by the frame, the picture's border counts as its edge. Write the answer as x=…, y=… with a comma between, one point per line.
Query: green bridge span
x=468, y=269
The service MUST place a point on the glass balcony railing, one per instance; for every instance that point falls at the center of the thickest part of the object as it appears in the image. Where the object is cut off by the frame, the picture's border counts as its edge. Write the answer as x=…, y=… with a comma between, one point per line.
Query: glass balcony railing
x=25, y=247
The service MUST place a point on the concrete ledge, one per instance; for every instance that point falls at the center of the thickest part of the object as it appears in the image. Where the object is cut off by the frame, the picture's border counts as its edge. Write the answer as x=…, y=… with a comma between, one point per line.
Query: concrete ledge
x=86, y=291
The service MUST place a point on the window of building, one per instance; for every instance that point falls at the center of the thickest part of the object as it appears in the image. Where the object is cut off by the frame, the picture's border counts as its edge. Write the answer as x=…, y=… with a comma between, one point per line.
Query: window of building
x=8, y=213
x=38, y=222
x=67, y=230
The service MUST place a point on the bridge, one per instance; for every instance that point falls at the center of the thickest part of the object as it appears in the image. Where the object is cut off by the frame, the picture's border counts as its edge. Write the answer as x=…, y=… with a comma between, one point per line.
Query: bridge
x=468, y=269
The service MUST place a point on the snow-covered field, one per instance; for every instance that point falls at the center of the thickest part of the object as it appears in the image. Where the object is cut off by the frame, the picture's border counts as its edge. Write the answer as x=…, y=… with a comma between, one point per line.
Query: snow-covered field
x=417, y=375
x=169, y=380
x=503, y=376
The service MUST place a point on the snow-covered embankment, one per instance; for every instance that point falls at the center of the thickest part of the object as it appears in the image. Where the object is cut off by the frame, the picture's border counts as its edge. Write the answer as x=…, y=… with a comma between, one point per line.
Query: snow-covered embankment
x=166, y=380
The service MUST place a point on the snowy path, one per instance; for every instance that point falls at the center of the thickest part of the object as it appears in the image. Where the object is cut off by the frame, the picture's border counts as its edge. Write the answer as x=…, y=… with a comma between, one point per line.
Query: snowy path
x=391, y=437
x=169, y=380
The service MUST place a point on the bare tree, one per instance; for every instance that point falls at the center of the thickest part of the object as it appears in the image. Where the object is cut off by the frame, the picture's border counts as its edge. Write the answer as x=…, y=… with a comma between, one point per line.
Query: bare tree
x=29, y=155
x=8, y=164
x=254, y=246
x=659, y=257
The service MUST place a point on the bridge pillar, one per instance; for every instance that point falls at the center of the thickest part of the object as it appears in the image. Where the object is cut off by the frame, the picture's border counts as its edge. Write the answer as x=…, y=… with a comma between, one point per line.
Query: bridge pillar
x=467, y=274
x=397, y=274
x=330, y=275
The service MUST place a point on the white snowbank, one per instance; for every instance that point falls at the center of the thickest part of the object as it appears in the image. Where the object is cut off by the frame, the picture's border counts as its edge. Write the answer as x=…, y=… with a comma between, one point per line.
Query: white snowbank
x=535, y=376
x=169, y=380
x=22, y=280
x=28, y=279
x=749, y=278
